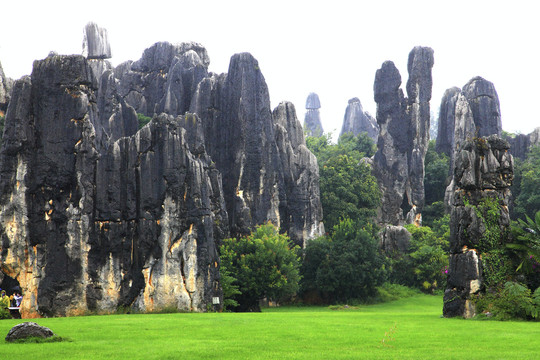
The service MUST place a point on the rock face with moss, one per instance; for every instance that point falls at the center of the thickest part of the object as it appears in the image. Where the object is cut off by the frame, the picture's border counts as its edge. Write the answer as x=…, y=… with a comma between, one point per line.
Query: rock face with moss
x=312, y=119
x=95, y=215
x=357, y=121
x=403, y=137
x=479, y=222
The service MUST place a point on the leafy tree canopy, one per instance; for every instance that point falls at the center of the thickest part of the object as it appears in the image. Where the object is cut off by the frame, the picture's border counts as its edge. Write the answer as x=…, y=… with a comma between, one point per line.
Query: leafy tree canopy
x=528, y=199
x=264, y=265
x=345, y=266
x=348, y=190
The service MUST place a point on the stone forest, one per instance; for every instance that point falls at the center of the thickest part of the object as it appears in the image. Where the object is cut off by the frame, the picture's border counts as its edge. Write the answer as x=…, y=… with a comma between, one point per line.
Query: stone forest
x=118, y=185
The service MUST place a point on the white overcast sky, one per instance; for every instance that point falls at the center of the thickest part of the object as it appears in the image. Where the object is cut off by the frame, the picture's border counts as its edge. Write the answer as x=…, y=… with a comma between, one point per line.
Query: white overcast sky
x=332, y=48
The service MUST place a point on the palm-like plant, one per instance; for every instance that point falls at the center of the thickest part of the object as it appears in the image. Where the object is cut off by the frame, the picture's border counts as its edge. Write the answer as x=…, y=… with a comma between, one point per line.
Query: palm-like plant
x=526, y=245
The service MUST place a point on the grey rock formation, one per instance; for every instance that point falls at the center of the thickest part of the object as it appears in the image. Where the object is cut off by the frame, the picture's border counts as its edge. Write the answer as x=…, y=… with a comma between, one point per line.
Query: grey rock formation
x=483, y=170
x=357, y=121
x=484, y=103
x=96, y=42
x=475, y=111
x=262, y=180
x=403, y=137
x=419, y=87
x=302, y=214
x=164, y=79
x=521, y=144
x=394, y=240
x=312, y=119
x=447, y=114
x=95, y=215
x=5, y=91
x=28, y=329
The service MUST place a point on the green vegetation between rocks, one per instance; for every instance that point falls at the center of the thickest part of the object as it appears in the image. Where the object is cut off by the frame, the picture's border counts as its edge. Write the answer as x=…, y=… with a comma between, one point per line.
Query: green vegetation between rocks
x=411, y=329
x=143, y=120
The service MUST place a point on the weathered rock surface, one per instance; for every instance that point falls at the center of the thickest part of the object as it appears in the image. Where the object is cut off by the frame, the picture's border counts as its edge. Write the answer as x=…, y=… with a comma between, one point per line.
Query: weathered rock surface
x=28, y=329
x=5, y=91
x=357, y=121
x=312, y=119
x=483, y=169
x=95, y=215
x=96, y=42
x=262, y=180
x=484, y=103
x=302, y=214
x=164, y=79
x=403, y=137
x=394, y=240
x=521, y=144
x=467, y=114
x=447, y=115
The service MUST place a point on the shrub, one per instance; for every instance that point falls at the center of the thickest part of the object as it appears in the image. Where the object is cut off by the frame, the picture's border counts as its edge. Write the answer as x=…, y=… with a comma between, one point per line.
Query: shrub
x=264, y=264
x=346, y=266
x=143, y=120
x=512, y=301
x=424, y=265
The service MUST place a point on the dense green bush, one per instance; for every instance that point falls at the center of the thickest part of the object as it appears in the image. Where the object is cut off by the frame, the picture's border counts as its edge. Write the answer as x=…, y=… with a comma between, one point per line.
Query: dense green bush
x=424, y=266
x=525, y=249
x=143, y=120
x=512, y=301
x=527, y=190
x=345, y=266
x=264, y=265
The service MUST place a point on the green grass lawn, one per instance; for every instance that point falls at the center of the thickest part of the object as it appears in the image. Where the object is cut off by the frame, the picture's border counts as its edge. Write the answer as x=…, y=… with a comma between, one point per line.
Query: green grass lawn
x=285, y=333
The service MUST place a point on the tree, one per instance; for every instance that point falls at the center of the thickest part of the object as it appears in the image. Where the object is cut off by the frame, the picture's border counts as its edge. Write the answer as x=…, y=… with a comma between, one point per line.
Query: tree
x=424, y=266
x=264, y=265
x=348, y=190
x=345, y=266
x=435, y=182
x=528, y=199
x=526, y=249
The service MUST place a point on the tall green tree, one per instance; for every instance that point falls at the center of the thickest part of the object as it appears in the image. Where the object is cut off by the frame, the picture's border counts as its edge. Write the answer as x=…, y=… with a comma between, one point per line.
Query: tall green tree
x=348, y=190
x=264, y=264
x=527, y=202
x=346, y=265
x=435, y=182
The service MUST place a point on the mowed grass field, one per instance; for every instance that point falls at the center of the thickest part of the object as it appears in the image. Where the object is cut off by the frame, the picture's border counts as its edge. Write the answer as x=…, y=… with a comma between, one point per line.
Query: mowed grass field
x=285, y=333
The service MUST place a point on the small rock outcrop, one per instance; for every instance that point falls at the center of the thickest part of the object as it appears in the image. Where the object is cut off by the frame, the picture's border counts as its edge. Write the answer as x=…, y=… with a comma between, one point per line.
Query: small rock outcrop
x=96, y=42
x=394, y=240
x=312, y=119
x=403, y=137
x=27, y=330
x=521, y=144
x=357, y=121
x=483, y=171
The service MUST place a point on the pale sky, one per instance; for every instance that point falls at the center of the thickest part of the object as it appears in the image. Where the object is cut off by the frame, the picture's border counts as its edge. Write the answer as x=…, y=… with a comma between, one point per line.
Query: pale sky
x=332, y=48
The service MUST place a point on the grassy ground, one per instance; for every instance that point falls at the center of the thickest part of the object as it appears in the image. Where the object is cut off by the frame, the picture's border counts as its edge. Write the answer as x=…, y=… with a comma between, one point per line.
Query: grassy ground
x=286, y=333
